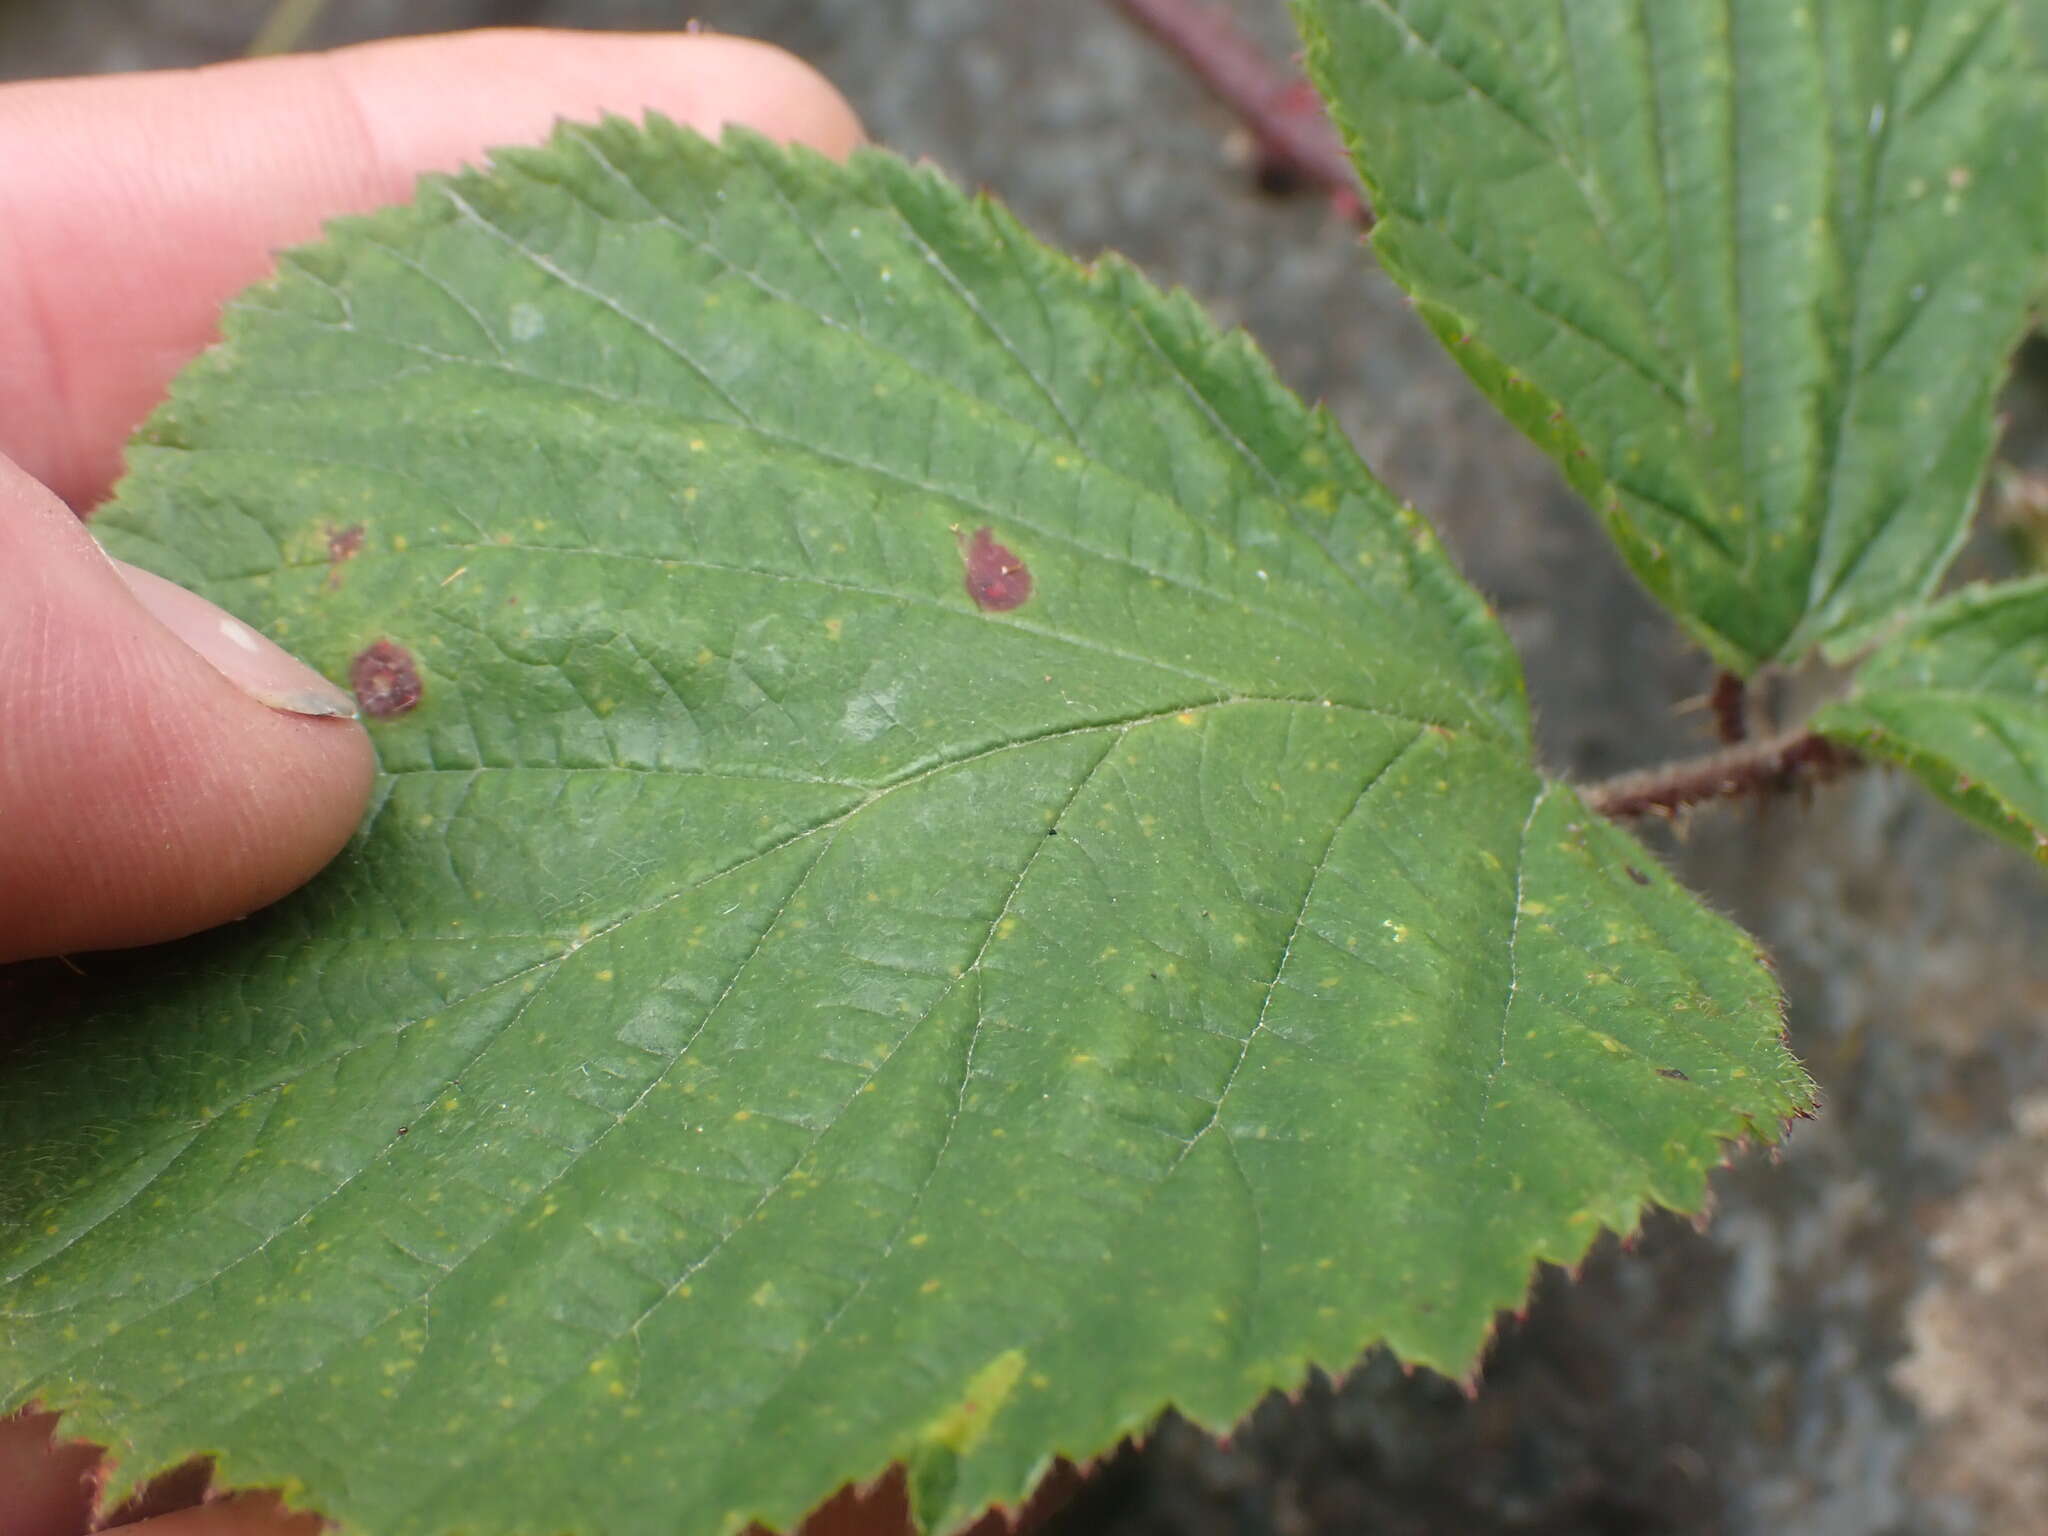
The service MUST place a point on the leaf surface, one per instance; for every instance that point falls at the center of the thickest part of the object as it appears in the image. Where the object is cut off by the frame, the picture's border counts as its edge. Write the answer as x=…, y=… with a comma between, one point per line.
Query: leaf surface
x=1961, y=699
x=956, y=872
x=1749, y=271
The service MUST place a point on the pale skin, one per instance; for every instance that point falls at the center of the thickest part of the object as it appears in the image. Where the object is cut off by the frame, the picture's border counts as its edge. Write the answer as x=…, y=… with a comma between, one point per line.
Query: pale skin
x=162, y=769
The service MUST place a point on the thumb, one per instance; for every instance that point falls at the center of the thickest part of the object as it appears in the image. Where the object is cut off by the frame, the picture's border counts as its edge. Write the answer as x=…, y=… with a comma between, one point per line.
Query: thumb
x=162, y=767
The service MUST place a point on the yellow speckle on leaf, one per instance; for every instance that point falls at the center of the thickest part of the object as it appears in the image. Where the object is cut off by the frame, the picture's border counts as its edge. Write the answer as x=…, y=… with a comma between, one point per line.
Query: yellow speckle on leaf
x=960, y=1428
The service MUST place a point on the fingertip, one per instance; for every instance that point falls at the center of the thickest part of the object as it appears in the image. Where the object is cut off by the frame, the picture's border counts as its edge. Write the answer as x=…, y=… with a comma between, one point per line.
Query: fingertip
x=774, y=92
x=137, y=204
x=439, y=102
x=153, y=796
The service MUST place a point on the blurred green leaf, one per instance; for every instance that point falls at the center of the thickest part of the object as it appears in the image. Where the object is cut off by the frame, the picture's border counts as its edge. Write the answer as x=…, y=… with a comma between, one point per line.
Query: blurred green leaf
x=1961, y=698
x=1748, y=270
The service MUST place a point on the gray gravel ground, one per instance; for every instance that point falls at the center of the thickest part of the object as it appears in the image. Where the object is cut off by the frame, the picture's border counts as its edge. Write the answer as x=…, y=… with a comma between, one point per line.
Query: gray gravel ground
x=1848, y=1349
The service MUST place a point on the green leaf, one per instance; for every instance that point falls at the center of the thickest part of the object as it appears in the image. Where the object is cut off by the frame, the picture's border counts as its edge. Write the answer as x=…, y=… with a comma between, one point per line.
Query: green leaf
x=1961, y=699
x=782, y=1015
x=1748, y=270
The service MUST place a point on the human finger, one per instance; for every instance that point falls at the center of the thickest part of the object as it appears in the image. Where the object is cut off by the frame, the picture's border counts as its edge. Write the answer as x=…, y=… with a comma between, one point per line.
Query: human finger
x=163, y=768
x=133, y=206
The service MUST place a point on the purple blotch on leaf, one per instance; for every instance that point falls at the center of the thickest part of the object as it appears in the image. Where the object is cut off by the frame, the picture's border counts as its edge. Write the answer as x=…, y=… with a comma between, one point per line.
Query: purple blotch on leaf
x=342, y=545
x=344, y=542
x=996, y=579
x=385, y=680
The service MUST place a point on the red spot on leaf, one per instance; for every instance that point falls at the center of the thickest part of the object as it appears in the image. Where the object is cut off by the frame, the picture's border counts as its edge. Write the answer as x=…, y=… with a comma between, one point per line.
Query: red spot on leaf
x=996, y=579
x=342, y=544
x=385, y=680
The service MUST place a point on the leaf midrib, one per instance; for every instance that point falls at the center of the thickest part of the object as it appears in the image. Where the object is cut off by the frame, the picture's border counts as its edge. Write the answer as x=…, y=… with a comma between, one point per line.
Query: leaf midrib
x=1863, y=366
x=908, y=779
x=557, y=964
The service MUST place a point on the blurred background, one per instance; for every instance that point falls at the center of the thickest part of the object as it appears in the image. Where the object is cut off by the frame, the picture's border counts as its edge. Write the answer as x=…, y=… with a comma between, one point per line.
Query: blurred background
x=1845, y=1348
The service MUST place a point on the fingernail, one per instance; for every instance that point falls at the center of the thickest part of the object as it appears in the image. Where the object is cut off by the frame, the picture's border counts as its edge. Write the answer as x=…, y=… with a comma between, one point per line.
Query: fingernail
x=263, y=670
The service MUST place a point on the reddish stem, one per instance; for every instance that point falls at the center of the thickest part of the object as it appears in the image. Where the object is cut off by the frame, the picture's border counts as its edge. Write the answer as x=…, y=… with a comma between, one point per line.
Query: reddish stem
x=1729, y=701
x=1295, y=138
x=1753, y=771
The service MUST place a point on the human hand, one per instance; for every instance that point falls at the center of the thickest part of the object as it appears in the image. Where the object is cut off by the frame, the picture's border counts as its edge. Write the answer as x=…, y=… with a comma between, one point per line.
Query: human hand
x=163, y=768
